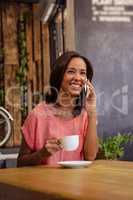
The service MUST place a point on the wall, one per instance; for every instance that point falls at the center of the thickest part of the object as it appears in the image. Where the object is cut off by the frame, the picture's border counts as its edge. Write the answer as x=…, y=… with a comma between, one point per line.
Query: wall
x=109, y=46
x=37, y=49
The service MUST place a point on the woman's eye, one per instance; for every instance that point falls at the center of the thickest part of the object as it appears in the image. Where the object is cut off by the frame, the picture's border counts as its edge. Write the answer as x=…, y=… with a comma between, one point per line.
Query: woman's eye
x=70, y=72
x=83, y=73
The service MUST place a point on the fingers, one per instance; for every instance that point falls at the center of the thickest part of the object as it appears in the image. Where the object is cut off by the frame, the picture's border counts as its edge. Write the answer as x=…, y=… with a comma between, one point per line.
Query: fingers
x=90, y=85
x=90, y=89
x=52, y=140
x=53, y=145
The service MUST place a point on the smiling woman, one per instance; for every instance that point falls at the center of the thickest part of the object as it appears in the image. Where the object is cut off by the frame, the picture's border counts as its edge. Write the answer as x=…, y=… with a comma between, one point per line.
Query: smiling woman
x=74, y=77
x=65, y=111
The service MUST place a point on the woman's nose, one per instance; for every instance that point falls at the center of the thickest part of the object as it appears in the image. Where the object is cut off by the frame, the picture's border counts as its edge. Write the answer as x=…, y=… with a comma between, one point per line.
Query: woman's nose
x=78, y=76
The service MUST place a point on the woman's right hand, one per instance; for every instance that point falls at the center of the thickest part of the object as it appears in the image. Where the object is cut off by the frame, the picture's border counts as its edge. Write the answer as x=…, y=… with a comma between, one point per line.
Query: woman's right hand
x=90, y=98
x=53, y=145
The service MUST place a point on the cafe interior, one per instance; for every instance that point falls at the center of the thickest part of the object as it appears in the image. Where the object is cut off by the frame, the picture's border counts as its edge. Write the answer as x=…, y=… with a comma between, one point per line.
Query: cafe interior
x=33, y=34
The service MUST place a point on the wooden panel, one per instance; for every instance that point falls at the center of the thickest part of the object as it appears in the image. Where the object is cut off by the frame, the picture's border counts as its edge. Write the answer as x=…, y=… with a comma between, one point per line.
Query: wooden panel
x=46, y=54
x=9, y=43
x=12, y=103
x=69, y=25
x=34, y=80
x=36, y=55
x=8, y=70
x=10, y=35
x=0, y=29
x=16, y=93
x=37, y=44
x=29, y=96
x=1, y=55
x=29, y=43
x=36, y=30
x=39, y=65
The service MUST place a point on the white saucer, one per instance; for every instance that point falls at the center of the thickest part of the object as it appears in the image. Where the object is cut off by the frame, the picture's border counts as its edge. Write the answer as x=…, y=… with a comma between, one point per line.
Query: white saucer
x=75, y=164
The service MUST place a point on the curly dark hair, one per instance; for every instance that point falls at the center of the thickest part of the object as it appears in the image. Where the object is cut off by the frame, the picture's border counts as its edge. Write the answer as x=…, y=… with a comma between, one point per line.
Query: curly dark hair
x=57, y=75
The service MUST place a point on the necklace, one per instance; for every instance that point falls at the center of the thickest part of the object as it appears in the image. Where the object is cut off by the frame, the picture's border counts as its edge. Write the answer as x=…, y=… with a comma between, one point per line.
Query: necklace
x=63, y=112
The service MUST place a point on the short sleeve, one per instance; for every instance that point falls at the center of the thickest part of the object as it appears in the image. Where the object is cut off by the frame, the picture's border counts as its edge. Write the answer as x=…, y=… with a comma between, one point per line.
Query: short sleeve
x=29, y=130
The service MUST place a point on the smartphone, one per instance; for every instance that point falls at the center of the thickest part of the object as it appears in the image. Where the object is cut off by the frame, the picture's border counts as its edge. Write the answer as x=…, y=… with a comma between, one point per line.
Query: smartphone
x=85, y=88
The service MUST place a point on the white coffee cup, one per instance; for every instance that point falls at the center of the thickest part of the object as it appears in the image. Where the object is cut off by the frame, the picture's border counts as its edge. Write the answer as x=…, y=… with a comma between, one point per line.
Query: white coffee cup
x=70, y=142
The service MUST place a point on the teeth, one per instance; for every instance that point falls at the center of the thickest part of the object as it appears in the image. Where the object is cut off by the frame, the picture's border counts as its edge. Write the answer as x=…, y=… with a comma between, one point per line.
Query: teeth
x=75, y=85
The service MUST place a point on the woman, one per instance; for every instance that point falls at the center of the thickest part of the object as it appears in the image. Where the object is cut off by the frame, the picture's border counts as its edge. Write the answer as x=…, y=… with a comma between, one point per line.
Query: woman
x=69, y=108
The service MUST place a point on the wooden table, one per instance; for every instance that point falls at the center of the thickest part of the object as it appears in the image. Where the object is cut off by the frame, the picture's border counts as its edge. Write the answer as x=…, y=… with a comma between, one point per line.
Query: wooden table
x=102, y=180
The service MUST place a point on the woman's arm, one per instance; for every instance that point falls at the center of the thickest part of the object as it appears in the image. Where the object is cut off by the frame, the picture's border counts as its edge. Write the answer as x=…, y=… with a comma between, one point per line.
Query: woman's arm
x=27, y=157
x=91, y=139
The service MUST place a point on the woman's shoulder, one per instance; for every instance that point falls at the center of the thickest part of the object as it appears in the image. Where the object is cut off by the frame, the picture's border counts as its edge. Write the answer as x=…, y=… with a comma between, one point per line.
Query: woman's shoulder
x=39, y=107
x=42, y=110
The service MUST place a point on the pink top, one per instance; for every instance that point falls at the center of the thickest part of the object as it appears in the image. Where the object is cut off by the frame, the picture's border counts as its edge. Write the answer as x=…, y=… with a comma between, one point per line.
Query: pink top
x=42, y=123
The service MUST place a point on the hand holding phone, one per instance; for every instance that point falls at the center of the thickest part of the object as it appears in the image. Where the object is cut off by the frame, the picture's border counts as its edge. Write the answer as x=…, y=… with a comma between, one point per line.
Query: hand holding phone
x=90, y=96
x=87, y=88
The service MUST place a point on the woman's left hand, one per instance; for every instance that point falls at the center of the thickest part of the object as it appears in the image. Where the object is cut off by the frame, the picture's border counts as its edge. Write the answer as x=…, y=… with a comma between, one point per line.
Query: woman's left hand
x=90, y=104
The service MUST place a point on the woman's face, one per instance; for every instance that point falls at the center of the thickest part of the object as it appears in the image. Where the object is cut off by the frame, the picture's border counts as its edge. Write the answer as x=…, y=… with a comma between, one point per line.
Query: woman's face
x=74, y=77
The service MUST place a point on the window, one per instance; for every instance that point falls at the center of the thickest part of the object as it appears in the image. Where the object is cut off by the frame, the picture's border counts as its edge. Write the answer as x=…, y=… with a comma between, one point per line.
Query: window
x=57, y=32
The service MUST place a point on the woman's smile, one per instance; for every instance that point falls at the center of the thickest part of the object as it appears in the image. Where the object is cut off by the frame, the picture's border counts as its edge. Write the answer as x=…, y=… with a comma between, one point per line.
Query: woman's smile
x=76, y=86
x=74, y=77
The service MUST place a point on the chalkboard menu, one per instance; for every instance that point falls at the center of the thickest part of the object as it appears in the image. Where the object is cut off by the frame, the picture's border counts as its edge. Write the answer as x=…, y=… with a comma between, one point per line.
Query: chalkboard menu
x=112, y=10
x=104, y=33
